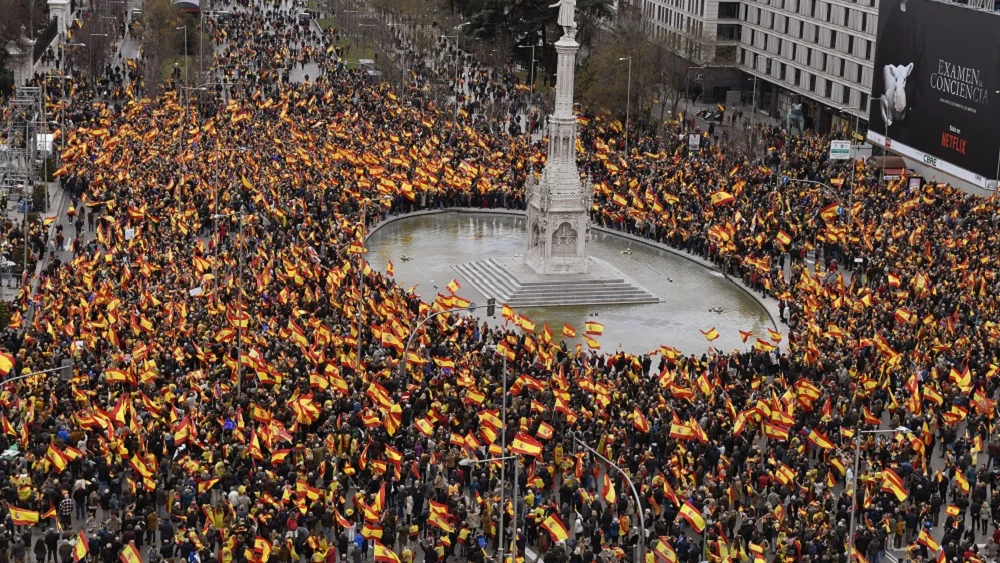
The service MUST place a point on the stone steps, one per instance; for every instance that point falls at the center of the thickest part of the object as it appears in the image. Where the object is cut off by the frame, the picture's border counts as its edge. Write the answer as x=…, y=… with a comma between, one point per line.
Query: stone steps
x=496, y=280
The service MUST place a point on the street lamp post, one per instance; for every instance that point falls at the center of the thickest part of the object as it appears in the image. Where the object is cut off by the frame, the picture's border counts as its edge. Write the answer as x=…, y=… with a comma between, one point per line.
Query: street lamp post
x=503, y=445
x=687, y=86
x=635, y=493
x=184, y=27
x=62, y=108
x=628, y=98
x=361, y=272
x=753, y=116
x=68, y=60
x=27, y=375
x=201, y=37
x=531, y=72
x=215, y=221
x=503, y=487
x=854, y=493
x=854, y=164
x=454, y=122
x=409, y=341
x=239, y=301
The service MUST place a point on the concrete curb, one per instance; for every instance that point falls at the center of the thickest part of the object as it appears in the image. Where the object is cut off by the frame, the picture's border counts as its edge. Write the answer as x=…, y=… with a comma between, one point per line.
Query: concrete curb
x=768, y=304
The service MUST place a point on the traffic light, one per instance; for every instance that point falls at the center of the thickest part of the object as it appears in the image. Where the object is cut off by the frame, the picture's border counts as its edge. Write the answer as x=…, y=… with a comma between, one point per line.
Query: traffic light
x=491, y=307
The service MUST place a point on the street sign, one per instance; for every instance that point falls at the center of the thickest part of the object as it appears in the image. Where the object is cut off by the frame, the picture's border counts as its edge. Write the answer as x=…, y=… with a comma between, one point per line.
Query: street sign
x=694, y=142
x=840, y=150
x=784, y=179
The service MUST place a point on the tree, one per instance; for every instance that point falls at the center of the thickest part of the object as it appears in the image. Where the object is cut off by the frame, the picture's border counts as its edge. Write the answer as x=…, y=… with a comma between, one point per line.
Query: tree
x=659, y=67
x=99, y=35
x=160, y=40
x=533, y=22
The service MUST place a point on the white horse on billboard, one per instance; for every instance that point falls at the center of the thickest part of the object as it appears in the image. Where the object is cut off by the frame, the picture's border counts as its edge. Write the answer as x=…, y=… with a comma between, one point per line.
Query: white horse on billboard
x=894, y=98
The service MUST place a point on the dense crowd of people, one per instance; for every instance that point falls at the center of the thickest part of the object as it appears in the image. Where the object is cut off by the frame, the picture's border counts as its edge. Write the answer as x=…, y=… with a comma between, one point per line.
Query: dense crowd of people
x=213, y=405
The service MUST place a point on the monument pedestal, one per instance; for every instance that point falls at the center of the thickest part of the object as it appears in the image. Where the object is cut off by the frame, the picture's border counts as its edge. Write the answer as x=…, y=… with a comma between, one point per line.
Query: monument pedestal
x=512, y=282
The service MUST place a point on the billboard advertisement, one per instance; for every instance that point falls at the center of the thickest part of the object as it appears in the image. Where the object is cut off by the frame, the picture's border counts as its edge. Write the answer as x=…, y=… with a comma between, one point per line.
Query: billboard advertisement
x=935, y=86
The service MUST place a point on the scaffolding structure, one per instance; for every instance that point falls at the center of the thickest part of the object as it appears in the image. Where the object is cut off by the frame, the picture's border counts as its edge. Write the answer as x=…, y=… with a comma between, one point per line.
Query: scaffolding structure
x=19, y=151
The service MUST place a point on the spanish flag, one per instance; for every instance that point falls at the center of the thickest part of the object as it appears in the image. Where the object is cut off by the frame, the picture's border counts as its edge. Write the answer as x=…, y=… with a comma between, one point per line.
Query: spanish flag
x=591, y=343
x=722, y=198
x=784, y=238
x=526, y=445
x=82, y=547
x=554, y=526
x=262, y=547
x=6, y=363
x=568, y=331
x=385, y=555
x=960, y=480
x=664, y=553
x=816, y=437
x=594, y=328
x=925, y=539
x=829, y=213
x=711, y=334
x=371, y=531
x=775, y=431
x=609, y=490
x=639, y=421
x=207, y=484
x=689, y=513
x=893, y=483
x=22, y=517
x=130, y=554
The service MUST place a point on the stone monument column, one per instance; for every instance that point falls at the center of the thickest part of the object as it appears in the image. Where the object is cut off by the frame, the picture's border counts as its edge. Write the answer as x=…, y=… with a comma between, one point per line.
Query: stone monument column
x=559, y=203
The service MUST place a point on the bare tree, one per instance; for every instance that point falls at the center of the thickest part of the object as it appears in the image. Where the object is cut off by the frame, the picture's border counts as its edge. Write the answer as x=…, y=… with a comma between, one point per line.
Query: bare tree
x=160, y=40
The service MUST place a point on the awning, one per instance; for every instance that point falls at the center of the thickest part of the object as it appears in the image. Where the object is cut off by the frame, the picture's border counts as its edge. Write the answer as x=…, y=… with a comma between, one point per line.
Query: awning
x=888, y=162
x=188, y=5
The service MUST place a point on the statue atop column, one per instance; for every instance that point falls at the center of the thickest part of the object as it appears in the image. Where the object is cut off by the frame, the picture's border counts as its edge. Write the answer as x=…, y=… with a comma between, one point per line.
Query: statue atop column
x=567, y=14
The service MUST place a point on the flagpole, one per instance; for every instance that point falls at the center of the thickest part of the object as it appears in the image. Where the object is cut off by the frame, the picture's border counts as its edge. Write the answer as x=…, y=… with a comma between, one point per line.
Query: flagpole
x=409, y=341
x=27, y=375
x=638, y=501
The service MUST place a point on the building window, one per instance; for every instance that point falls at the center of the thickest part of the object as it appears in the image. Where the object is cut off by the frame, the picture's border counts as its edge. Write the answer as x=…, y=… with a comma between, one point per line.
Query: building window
x=812, y=8
x=846, y=97
x=795, y=50
x=864, y=22
x=798, y=77
x=828, y=90
x=868, y=50
x=812, y=82
x=833, y=39
x=850, y=44
x=809, y=56
x=816, y=34
x=767, y=67
x=864, y=102
x=843, y=65
x=822, y=61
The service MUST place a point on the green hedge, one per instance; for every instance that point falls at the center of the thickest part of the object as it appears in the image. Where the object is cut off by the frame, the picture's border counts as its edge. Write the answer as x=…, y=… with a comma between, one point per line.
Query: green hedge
x=40, y=198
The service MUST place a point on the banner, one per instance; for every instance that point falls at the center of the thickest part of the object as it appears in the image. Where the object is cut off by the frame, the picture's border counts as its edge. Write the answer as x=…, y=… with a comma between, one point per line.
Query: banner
x=934, y=87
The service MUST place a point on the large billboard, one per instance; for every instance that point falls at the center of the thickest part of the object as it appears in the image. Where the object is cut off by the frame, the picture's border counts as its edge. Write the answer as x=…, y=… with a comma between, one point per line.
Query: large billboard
x=935, y=88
